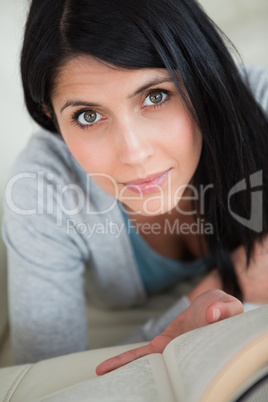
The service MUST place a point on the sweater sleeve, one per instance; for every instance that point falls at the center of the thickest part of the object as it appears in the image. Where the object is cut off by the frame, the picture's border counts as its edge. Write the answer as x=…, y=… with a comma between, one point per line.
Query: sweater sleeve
x=47, y=311
x=257, y=78
x=156, y=325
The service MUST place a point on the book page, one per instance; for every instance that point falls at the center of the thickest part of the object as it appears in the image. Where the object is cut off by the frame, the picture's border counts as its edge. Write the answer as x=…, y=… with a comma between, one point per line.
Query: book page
x=194, y=359
x=142, y=380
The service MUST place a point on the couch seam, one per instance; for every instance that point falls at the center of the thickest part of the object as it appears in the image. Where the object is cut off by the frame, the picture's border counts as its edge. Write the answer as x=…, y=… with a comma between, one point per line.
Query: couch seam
x=17, y=381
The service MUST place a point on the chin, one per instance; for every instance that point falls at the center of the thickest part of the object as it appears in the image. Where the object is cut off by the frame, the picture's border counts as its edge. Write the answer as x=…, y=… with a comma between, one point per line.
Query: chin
x=150, y=207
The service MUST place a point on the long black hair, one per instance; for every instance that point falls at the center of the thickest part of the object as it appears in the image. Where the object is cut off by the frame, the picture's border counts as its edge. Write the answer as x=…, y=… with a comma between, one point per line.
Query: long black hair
x=179, y=36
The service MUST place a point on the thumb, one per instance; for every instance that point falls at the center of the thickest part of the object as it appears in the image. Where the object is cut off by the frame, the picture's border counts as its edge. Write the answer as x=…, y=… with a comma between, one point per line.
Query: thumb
x=225, y=309
x=214, y=305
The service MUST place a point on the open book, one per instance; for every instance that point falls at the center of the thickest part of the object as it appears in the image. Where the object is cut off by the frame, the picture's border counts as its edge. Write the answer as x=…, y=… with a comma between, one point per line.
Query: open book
x=225, y=361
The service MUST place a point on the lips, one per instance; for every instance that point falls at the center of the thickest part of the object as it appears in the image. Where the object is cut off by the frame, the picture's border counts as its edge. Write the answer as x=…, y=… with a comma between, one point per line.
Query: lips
x=149, y=183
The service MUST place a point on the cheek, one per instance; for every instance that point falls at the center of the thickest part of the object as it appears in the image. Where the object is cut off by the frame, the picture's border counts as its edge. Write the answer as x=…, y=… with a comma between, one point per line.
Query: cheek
x=91, y=160
x=183, y=139
x=94, y=159
x=88, y=153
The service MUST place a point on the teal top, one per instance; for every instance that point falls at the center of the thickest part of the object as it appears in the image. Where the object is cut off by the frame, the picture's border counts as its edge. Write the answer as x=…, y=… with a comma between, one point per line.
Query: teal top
x=158, y=272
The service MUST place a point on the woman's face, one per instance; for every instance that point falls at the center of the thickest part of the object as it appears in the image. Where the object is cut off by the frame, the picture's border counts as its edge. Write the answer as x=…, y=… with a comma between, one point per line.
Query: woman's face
x=130, y=130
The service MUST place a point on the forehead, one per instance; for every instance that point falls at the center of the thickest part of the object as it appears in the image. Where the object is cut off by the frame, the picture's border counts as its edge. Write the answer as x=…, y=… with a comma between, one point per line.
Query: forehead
x=86, y=71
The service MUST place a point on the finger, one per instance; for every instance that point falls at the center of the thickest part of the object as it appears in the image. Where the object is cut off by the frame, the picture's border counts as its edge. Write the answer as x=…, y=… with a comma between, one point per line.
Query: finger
x=124, y=358
x=224, y=309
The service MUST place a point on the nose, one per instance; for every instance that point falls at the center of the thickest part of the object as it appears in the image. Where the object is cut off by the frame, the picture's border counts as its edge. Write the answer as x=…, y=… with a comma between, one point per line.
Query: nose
x=133, y=144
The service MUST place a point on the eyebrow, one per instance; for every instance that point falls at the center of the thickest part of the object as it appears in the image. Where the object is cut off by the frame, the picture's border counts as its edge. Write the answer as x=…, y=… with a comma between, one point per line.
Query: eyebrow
x=78, y=103
x=150, y=84
x=147, y=85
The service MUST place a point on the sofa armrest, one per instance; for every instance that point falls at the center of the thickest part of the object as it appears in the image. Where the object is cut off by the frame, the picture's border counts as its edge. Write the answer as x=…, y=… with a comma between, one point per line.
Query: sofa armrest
x=29, y=382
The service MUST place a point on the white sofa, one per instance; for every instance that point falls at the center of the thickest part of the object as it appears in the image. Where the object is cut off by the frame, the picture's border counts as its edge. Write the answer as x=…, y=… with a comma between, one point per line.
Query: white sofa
x=29, y=382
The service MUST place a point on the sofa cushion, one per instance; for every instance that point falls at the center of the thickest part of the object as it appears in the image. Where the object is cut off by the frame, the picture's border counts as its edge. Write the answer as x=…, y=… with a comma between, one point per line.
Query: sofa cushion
x=27, y=383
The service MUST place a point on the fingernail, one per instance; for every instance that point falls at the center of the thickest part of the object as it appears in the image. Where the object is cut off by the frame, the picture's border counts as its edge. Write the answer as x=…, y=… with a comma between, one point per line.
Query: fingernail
x=216, y=314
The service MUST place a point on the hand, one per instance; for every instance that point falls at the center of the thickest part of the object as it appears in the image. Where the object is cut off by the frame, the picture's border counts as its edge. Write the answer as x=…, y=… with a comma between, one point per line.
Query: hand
x=253, y=279
x=209, y=307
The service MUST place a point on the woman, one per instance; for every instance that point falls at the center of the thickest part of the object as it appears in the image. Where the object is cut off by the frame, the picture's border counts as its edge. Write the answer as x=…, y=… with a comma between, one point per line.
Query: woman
x=153, y=127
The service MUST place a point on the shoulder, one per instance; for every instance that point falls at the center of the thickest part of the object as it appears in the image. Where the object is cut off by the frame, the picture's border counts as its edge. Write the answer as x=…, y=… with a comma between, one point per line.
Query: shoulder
x=43, y=164
x=257, y=79
x=46, y=151
x=40, y=197
x=48, y=185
